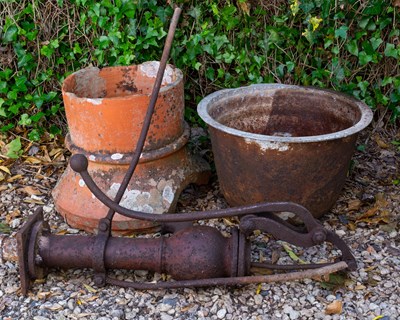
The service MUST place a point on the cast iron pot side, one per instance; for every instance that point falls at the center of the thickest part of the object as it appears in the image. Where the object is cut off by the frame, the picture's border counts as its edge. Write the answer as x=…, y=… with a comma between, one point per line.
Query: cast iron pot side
x=274, y=142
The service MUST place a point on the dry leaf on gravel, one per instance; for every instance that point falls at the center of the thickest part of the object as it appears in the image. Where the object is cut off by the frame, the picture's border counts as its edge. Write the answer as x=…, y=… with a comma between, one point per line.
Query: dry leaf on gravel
x=382, y=144
x=258, y=290
x=368, y=214
x=33, y=201
x=12, y=215
x=377, y=214
x=354, y=205
x=13, y=178
x=32, y=160
x=5, y=169
x=89, y=288
x=334, y=308
x=31, y=190
x=292, y=255
x=276, y=254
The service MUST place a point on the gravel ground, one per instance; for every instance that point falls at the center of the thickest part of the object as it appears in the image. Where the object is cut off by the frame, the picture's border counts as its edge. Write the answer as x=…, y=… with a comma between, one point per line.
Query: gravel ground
x=366, y=216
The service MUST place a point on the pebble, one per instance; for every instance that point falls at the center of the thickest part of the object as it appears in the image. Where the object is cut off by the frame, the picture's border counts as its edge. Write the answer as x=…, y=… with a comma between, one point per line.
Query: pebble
x=71, y=304
x=48, y=209
x=293, y=314
x=163, y=307
x=15, y=223
x=165, y=316
x=258, y=298
x=77, y=310
x=117, y=313
x=331, y=298
x=221, y=313
x=373, y=306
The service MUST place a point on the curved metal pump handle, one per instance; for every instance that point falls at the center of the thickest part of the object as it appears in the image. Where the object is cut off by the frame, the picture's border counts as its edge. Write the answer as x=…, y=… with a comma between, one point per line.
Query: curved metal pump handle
x=79, y=163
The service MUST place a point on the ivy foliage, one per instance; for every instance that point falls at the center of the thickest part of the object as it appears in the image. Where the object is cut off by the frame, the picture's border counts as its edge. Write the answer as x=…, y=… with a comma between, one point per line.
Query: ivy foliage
x=350, y=46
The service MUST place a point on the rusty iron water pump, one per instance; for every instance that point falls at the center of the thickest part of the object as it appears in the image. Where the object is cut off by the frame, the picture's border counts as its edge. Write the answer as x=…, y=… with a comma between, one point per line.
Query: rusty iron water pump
x=193, y=255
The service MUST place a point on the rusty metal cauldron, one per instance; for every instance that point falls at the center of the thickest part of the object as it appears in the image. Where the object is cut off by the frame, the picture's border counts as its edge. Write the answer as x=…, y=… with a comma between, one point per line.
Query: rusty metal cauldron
x=193, y=255
x=275, y=142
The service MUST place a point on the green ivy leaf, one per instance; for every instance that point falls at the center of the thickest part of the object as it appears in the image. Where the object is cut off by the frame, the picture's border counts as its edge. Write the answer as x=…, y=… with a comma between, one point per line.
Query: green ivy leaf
x=375, y=42
x=54, y=130
x=341, y=32
x=6, y=74
x=391, y=51
x=47, y=51
x=290, y=66
x=387, y=80
x=25, y=120
x=364, y=58
x=34, y=135
x=363, y=22
x=7, y=127
x=3, y=87
x=12, y=95
x=363, y=85
x=36, y=117
x=11, y=34
x=281, y=70
x=2, y=110
x=352, y=47
x=328, y=43
x=210, y=73
x=20, y=84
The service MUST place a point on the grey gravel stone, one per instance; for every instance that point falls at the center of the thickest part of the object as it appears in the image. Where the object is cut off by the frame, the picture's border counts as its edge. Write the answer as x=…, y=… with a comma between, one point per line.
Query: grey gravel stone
x=165, y=316
x=258, y=299
x=221, y=313
x=117, y=313
x=163, y=307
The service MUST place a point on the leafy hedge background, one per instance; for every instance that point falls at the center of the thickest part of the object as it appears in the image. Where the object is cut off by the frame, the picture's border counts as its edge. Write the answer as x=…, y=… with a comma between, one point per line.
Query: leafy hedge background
x=350, y=46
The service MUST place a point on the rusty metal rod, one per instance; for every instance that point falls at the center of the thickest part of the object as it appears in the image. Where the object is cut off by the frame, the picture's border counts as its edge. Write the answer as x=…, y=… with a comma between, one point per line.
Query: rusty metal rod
x=150, y=110
x=104, y=227
x=299, y=275
x=255, y=266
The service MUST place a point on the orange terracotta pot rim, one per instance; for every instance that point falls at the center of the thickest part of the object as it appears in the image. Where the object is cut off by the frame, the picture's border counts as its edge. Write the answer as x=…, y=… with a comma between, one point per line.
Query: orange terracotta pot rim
x=177, y=72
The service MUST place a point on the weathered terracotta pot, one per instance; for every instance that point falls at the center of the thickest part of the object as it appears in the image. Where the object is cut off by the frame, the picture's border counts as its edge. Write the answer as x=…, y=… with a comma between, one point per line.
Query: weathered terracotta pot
x=105, y=110
x=275, y=142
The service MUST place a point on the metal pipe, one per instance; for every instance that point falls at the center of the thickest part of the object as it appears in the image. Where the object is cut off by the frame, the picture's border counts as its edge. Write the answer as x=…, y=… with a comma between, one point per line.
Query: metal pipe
x=193, y=253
